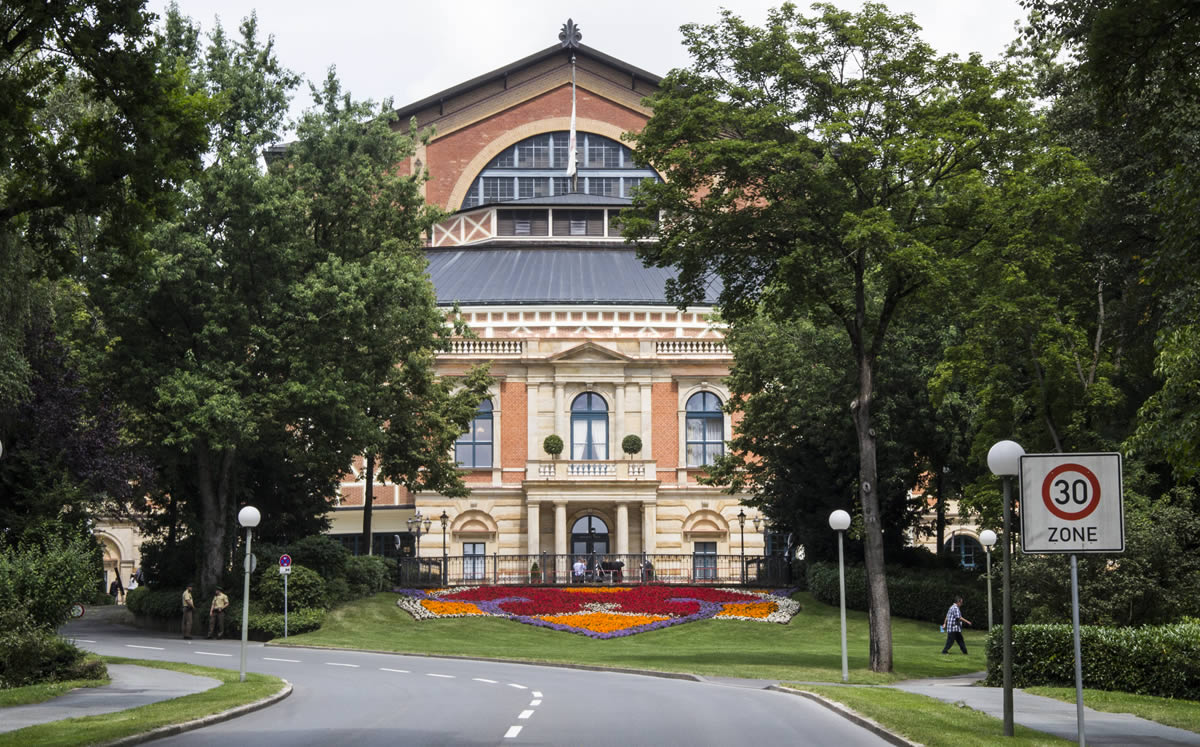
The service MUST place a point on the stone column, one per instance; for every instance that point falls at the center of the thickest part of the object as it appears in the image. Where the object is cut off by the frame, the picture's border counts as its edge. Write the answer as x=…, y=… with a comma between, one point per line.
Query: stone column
x=647, y=425
x=649, y=527
x=534, y=529
x=618, y=421
x=622, y=529
x=563, y=561
x=560, y=415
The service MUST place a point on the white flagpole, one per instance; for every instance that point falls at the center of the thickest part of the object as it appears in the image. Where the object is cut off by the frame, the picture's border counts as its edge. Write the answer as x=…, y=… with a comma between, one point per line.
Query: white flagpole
x=571, y=170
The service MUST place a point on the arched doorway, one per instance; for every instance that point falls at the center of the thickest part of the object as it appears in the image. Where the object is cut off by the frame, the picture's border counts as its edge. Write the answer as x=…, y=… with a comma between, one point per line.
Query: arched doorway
x=589, y=536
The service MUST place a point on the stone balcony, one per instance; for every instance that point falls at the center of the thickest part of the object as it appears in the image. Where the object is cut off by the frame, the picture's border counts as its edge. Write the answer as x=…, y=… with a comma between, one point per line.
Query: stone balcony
x=591, y=469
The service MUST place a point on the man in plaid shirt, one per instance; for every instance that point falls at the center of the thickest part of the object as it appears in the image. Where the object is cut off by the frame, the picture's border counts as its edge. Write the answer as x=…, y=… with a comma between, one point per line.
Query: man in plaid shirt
x=954, y=621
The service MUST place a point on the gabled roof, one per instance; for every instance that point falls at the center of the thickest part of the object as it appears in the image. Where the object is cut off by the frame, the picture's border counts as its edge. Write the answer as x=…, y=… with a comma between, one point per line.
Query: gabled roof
x=405, y=112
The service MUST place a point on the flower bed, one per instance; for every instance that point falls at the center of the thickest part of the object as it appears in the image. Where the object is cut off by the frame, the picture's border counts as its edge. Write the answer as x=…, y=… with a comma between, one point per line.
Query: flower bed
x=604, y=611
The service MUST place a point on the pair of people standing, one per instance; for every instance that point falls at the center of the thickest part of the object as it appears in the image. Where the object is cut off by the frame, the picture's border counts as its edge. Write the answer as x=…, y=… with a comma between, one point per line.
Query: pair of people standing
x=216, y=613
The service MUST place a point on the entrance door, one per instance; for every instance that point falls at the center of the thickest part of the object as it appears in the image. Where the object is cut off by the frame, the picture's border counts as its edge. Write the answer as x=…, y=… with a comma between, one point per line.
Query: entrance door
x=589, y=537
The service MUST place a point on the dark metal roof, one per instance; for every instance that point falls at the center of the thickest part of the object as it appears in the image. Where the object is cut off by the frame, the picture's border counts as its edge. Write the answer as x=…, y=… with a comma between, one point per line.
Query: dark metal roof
x=403, y=113
x=548, y=275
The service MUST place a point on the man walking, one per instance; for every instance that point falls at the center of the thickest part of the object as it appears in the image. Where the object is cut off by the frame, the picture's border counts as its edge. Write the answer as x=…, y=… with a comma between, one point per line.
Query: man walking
x=216, y=614
x=953, y=626
x=188, y=607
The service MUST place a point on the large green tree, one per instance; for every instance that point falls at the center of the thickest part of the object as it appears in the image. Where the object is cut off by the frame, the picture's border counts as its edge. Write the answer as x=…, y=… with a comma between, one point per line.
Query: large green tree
x=832, y=166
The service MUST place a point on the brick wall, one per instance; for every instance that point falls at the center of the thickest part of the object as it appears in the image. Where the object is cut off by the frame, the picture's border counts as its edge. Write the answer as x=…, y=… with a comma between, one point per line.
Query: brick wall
x=665, y=423
x=514, y=440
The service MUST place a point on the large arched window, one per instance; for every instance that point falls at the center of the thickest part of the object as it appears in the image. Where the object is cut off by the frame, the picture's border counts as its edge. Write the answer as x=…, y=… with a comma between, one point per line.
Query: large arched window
x=705, y=429
x=537, y=167
x=589, y=427
x=966, y=549
x=474, y=448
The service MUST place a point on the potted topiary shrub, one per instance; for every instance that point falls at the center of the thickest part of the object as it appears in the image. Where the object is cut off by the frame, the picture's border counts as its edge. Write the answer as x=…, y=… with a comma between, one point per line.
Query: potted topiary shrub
x=553, y=445
x=631, y=444
x=535, y=573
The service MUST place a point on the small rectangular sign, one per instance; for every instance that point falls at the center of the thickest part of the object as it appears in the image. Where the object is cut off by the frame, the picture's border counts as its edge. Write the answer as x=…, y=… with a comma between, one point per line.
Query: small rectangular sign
x=1072, y=503
x=285, y=570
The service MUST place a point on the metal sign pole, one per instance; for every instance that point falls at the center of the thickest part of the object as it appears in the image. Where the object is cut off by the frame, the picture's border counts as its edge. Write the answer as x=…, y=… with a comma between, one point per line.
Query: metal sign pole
x=1078, y=655
x=285, y=603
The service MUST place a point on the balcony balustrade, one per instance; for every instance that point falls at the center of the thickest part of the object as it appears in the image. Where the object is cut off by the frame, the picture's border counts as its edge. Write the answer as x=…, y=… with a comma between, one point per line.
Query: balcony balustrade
x=599, y=469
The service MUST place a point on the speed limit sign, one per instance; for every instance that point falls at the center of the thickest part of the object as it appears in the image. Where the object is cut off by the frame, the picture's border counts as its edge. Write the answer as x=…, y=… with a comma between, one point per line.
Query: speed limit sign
x=1072, y=503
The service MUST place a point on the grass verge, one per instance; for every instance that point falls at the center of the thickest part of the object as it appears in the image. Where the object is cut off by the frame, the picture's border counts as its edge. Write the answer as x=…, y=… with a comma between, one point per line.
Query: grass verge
x=231, y=693
x=31, y=694
x=1183, y=714
x=929, y=721
x=808, y=648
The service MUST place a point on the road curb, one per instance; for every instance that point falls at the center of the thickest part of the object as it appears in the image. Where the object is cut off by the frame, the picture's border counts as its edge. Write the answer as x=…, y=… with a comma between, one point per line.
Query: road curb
x=199, y=723
x=857, y=718
x=493, y=660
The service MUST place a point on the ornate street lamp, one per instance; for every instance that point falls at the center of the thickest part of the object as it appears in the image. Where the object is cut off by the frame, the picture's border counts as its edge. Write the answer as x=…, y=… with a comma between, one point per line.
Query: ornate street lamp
x=988, y=538
x=1004, y=460
x=742, y=524
x=839, y=521
x=445, y=521
x=249, y=518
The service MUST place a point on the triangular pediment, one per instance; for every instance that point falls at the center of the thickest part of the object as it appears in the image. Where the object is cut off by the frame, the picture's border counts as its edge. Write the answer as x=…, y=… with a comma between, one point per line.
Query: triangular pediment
x=589, y=352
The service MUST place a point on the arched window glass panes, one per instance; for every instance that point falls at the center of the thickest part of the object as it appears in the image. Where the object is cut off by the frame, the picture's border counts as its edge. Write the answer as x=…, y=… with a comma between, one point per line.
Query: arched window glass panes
x=589, y=536
x=474, y=448
x=536, y=167
x=589, y=427
x=967, y=550
x=705, y=427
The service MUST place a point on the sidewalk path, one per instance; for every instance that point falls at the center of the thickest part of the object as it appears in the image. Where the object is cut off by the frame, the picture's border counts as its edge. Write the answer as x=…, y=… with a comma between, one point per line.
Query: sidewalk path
x=131, y=686
x=1051, y=716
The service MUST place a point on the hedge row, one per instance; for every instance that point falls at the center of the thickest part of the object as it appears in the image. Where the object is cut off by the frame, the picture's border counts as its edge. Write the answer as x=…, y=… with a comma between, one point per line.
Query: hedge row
x=31, y=654
x=920, y=595
x=1161, y=660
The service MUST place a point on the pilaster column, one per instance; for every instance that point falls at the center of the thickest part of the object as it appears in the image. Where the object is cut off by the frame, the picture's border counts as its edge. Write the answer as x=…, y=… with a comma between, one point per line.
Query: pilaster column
x=534, y=529
x=647, y=424
x=619, y=420
x=649, y=527
x=562, y=561
x=560, y=415
x=622, y=529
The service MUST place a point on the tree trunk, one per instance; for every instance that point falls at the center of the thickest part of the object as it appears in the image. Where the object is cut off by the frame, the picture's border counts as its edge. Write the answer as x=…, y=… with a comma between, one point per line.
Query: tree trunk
x=368, y=500
x=213, y=486
x=880, y=612
x=941, y=513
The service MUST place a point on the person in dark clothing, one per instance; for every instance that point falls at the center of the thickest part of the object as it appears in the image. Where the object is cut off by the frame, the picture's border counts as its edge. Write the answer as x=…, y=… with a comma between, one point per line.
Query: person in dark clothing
x=953, y=626
x=116, y=590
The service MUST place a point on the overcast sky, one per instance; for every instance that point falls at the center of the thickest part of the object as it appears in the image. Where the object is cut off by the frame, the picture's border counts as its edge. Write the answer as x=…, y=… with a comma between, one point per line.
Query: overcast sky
x=411, y=49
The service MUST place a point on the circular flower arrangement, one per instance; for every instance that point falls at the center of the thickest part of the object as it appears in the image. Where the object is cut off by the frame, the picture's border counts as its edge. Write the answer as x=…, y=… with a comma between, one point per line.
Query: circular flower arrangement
x=604, y=611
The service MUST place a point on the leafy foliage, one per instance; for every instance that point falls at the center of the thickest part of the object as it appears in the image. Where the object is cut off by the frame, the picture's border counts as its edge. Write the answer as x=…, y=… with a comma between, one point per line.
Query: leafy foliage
x=305, y=588
x=44, y=577
x=31, y=654
x=552, y=445
x=631, y=444
x=915, y=594
x=322, y=554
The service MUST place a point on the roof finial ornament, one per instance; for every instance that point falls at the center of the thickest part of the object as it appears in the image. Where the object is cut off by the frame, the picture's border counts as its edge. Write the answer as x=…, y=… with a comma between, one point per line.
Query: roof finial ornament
x=570, y=35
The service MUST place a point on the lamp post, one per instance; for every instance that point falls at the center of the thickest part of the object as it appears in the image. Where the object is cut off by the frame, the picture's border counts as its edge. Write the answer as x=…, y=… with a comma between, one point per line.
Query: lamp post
x=988, y=538
x=249, y=518
x=762, y=563
x=1004, y=460
x=445, y=520
x=742, y=524
x=839, y=521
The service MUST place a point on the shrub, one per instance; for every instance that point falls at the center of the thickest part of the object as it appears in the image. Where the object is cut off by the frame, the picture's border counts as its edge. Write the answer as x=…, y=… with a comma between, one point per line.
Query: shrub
x=46, y=578
x=160, y=603
x=263, y=626
x=631, y=444
x=305, y=590
x=337, y=591
x=320, y=553
x=1160, y=660
x=367, y=574
x=919, y=595
x=169, y=567
x=32, y=654
x=553, y=445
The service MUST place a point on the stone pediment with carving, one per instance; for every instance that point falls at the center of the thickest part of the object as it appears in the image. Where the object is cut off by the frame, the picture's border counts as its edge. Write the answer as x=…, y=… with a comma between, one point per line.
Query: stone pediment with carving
x=589, y=352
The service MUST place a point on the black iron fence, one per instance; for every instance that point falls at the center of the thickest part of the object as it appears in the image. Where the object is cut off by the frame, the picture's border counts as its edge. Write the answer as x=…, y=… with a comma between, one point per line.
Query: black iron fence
x=550, y=569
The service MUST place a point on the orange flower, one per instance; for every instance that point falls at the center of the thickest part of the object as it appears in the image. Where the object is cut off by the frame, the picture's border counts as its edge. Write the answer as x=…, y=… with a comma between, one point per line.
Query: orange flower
x=603, y=622
x=752, y=609
x=450, y=608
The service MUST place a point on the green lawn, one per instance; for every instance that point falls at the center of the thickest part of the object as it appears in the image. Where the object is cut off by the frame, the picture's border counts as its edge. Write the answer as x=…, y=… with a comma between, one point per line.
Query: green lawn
x=1184, y=714
x=110, y=726
x=806, y=649
x=930, y=721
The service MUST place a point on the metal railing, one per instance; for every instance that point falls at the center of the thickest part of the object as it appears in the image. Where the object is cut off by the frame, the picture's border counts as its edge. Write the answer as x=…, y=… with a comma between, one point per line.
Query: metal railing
x=549, y=569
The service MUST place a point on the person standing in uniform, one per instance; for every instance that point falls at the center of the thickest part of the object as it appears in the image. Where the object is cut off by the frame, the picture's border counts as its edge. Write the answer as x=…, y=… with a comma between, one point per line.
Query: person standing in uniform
x=115, y=589
x=954, y=621
x=188, y=607
x=216, y=614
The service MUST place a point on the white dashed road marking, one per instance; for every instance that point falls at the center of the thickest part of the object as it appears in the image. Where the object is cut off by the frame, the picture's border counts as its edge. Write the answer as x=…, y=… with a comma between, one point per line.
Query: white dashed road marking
x=397, y=671
x=525, y=714
x=443, y=676
x=291, y=661
x=535, y=703
x=519, y=687
x=84, y=640
x=209, y=653
x=536, y=694
x=480, y=679
x=512, y=732
x=336, y=664
x=152, y=648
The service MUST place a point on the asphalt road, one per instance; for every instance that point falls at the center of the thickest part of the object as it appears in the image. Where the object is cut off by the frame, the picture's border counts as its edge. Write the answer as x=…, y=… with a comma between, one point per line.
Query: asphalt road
x=359, y=698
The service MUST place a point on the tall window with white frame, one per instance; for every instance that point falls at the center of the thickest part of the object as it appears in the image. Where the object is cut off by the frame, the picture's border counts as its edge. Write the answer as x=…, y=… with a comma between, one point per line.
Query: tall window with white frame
x=705, y=429
x=473, y=449
x=589, y=427
x=704, y=561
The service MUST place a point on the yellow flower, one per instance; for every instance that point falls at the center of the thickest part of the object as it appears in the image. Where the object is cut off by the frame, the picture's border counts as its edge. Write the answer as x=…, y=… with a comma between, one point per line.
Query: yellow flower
x=752, y=609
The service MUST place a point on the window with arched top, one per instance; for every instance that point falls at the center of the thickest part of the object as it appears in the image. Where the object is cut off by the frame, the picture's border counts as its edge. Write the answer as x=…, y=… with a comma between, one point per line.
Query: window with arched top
x=705, y=429
x=966, y=549
x=537, y=166
x=474, y=448
x=589, y=427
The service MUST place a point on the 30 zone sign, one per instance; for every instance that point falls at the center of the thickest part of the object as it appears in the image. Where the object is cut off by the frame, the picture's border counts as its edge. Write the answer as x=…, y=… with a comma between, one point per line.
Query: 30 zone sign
x=1072, y=503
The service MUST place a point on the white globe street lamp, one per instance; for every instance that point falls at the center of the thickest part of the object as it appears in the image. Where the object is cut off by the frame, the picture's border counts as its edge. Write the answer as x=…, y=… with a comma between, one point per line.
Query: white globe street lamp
x=249, y=518
x=839, y=521
x=1004, y=460
x=987, y=538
